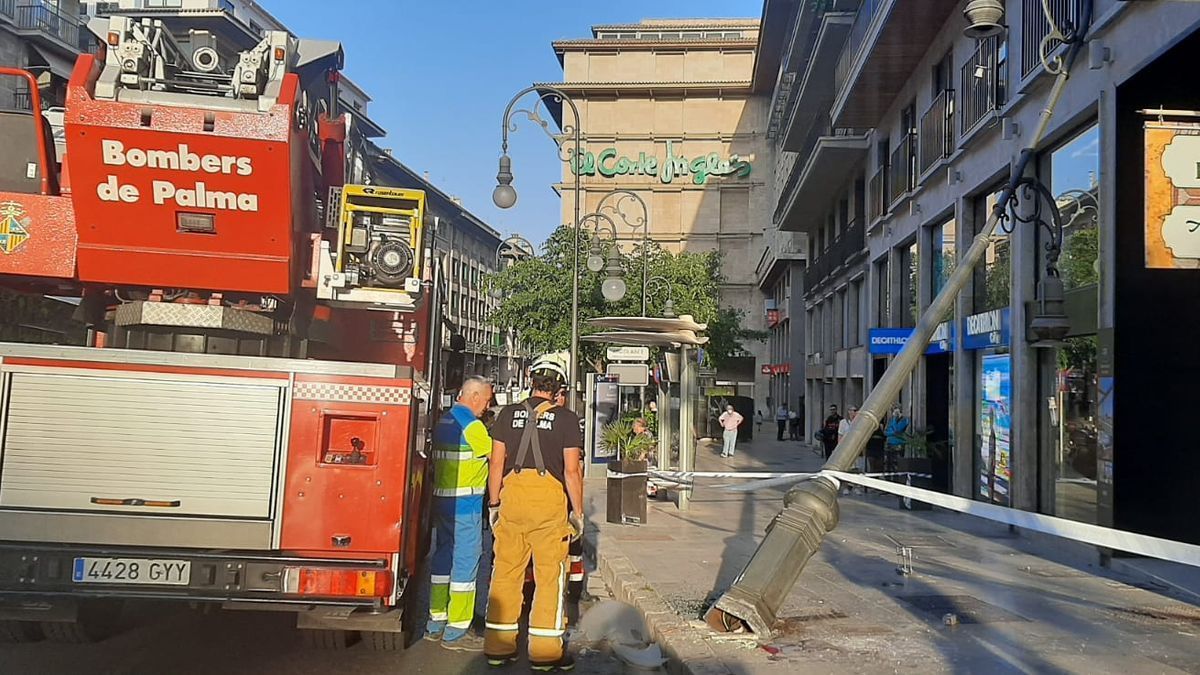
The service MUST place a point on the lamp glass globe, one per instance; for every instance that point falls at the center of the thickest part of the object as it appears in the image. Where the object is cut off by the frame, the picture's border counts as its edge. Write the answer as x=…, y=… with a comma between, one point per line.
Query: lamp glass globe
x=613, y=289
x=595, y=262
x=504, y=196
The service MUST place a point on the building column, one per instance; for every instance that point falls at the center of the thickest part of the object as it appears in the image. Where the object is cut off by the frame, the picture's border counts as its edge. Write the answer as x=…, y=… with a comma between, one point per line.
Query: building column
x=1023, y=446
x=962, y=455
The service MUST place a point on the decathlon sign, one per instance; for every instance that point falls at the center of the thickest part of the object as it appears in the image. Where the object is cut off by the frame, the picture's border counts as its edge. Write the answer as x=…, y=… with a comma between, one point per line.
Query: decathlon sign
x=892, y=340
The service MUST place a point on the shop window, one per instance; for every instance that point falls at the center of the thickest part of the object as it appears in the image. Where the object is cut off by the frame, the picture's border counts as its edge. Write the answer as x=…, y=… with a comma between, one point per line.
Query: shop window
x=993, y=277
x=1073, y=169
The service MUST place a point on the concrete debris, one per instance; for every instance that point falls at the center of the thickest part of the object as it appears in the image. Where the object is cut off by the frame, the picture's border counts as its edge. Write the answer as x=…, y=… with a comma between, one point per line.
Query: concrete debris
x=649, y=657
x=622, y=627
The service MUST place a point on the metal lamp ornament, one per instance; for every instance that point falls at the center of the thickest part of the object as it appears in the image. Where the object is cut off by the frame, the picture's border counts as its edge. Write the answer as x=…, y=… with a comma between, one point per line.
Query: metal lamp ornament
x=613, y=288
x=505, y=195
x=984, y=18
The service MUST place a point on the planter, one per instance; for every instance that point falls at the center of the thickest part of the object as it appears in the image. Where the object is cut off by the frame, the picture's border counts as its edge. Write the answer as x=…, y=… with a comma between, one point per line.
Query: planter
x=626, y=492
x=916, y=465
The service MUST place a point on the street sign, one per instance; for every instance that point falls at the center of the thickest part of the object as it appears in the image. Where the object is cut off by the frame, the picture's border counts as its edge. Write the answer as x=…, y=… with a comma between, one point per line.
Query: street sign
x=628, y=353
x=630, y=374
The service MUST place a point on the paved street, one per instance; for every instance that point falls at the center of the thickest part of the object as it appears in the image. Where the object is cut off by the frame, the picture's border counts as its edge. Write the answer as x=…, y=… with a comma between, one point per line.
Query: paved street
x=158, y=640
x=1023, y=603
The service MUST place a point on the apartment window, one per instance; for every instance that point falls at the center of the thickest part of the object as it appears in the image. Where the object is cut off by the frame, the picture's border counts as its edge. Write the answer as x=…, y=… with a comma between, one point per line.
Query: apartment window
x=943, y=75
x=883, y=293
x=255, y=28
x=910, y=304
x=164, y=3
x=853, y=317
x=993, y=277
x=944, y=254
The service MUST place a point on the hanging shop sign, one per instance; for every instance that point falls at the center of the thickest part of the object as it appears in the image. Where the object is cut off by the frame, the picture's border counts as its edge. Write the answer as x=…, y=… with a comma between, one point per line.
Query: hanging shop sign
x=1172, y=208
x=609, y=164
x=986, y=330
x=892, y=340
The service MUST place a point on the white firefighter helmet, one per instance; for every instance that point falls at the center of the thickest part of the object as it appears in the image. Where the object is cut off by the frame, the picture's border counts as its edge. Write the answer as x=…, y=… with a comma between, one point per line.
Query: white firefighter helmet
x=556, y=363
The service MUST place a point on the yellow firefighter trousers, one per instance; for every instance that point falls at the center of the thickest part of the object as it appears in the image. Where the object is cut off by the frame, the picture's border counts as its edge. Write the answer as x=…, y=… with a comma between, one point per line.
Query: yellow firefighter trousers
x=533, y=522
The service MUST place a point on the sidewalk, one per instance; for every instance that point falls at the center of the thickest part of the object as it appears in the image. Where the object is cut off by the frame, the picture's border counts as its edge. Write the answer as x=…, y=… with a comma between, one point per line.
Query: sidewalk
x=1023, y=603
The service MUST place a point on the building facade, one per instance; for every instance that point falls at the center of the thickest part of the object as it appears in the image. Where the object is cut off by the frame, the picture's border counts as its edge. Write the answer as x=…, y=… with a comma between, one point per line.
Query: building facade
x=43, y=37
x=667, y=112
x=913, y=128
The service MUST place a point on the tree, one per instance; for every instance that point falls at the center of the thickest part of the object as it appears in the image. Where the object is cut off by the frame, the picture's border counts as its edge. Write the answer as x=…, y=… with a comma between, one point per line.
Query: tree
x=536, y=296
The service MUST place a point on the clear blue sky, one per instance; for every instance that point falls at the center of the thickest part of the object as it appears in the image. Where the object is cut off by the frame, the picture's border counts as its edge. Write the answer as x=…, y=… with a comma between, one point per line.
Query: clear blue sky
x=441, y=72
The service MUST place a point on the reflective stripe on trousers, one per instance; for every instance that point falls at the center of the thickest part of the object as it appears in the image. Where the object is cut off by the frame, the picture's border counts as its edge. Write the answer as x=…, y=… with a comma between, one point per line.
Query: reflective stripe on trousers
x=533, y=523
x=458, y=522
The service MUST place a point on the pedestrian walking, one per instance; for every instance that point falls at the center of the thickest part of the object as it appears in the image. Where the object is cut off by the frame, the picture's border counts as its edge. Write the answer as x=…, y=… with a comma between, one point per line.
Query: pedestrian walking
x=781, y=419
x=829, y=431
x=793, y=425
x=897, y=426
x=536, y=469
x=843, y=430
x=730, y=420
x=460, y=473
x=758, y=421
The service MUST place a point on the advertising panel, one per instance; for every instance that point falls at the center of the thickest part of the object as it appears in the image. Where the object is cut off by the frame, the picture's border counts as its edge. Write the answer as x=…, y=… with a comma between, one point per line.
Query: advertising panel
x=606, y=407
x=995, y=429
x=1172, y=216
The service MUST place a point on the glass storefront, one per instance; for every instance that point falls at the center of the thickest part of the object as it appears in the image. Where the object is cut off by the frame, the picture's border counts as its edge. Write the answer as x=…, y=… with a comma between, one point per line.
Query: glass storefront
x=1073, y=169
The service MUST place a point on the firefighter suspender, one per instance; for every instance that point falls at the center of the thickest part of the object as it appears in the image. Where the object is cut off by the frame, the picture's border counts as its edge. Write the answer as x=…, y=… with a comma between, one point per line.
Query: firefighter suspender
x=529, y=439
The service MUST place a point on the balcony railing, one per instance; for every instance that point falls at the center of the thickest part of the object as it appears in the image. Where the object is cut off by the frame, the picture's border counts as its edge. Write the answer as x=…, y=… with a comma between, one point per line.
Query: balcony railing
x=849, y=243
x=984, y=81
x=8, y=8
x=876, y=188
x=49, y=21
x=22, y=100
x=937, y=130
x=855, y=42
x=1035, y=27
x=902, y=169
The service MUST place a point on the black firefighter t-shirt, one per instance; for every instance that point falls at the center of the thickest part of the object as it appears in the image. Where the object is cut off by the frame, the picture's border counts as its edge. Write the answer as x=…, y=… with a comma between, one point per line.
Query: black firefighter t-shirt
x=557, y=427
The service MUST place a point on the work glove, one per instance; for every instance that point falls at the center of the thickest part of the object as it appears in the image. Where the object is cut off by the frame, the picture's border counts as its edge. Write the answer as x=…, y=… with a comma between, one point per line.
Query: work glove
x=575, y=520
x=493, y=517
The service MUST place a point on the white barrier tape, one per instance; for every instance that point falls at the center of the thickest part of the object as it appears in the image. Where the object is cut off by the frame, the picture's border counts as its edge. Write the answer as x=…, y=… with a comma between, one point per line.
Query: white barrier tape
x=1154, y=547
x=618, y=474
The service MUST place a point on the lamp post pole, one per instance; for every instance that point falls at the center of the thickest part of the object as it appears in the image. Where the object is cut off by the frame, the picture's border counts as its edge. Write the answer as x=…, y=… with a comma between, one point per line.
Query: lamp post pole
x=642, y=223
x=505, y=195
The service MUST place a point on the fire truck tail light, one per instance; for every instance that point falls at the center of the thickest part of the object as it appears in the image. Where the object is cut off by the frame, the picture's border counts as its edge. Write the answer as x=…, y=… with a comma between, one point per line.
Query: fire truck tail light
x=332, y=582
x=279, y=53
x=114, y=39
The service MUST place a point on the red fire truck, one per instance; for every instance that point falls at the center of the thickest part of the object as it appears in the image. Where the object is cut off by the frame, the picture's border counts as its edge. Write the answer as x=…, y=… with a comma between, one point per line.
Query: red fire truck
x=245, y=423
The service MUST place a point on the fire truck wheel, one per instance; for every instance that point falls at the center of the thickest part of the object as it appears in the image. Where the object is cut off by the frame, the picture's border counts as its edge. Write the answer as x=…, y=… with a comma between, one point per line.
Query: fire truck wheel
x=380, y=641
x=12, y=632
x=330, y=639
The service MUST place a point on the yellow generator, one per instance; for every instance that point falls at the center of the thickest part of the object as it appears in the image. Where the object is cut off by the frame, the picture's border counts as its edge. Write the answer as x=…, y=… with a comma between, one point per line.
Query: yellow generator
x=378, y=259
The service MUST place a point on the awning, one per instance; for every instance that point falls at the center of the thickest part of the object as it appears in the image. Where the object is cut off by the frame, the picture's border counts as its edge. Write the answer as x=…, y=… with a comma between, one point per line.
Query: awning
x=649, y=339
x=648, y=323
x=57, y=64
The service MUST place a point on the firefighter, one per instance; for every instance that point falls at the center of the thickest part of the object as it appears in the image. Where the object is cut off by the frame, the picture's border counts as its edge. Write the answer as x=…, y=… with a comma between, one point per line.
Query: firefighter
x=535, y=471
x=460, y=472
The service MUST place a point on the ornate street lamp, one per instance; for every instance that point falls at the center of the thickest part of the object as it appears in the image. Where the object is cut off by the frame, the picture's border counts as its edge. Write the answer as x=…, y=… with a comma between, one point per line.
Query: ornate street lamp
x=505, y=195
x=613, y=288
x=614, y=202
x=669, y=306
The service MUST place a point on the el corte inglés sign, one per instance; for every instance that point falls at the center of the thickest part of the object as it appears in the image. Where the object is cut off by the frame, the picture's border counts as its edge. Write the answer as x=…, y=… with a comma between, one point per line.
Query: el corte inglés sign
x=608, y=163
